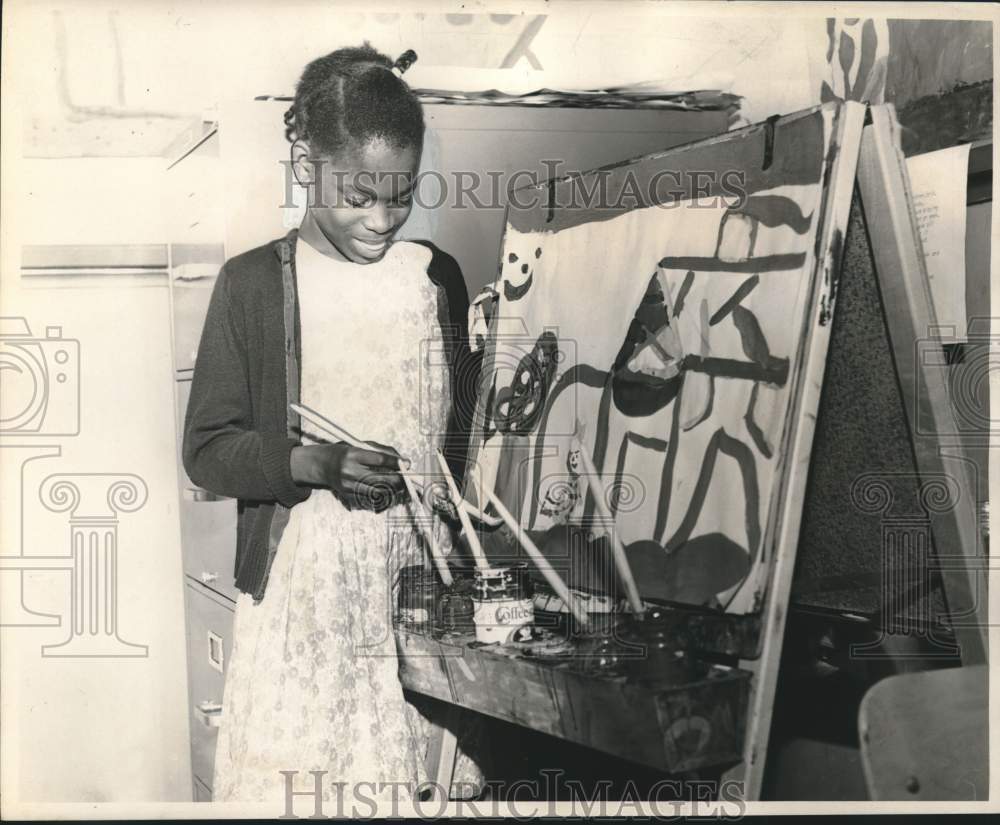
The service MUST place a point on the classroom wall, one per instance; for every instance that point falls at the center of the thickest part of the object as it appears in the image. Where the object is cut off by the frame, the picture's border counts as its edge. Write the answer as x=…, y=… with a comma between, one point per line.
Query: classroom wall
x=97, y=729
x=156, y=64
x=104, y=56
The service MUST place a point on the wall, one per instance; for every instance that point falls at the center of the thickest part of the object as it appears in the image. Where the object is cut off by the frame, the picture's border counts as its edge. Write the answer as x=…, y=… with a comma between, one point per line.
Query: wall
x=107, y=60
x=103, y=728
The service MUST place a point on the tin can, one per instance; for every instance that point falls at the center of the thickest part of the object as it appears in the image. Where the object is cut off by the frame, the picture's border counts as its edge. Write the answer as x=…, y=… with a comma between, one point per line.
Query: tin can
x=501, y=602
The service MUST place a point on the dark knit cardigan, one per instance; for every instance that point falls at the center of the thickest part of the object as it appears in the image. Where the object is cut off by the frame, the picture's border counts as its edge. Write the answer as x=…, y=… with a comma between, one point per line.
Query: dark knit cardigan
x=239, y=430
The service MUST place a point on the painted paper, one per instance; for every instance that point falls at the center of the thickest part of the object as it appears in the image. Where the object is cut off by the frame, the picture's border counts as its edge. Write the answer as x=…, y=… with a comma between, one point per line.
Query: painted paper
x=663, y=329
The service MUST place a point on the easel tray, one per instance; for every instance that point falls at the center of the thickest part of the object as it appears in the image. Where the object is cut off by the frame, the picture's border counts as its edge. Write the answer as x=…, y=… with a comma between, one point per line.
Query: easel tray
x=697, y=724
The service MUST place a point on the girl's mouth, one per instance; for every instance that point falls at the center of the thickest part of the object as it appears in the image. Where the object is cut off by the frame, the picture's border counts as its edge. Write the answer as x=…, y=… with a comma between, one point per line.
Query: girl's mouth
x=372, y=247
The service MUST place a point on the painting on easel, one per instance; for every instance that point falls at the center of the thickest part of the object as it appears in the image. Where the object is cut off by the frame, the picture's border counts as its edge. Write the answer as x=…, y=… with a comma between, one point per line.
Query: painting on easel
x=659, y=314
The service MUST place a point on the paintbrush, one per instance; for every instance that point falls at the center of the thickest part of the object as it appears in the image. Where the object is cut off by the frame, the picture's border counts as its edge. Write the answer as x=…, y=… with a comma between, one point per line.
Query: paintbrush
x=463, y=516
x=420, y=515
x=336, y=431
x=617, y=548
x=542, y=563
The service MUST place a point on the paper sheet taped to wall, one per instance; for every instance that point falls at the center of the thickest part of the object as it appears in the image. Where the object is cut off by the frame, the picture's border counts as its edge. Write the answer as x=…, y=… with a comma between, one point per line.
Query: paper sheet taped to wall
x=938, y=182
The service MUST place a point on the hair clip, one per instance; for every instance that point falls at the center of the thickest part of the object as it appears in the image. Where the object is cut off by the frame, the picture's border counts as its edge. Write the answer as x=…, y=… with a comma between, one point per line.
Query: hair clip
x=403, y=62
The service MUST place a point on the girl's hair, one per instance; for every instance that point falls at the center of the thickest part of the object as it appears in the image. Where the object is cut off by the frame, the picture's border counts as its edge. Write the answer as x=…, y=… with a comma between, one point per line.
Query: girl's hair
x=354, y=95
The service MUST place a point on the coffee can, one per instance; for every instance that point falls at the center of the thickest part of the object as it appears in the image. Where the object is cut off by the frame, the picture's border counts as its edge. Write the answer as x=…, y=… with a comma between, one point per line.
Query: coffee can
x=501, y=602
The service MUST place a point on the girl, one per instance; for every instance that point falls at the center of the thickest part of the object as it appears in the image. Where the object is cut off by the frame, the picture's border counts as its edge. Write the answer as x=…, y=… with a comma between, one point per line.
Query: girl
x=340, y=317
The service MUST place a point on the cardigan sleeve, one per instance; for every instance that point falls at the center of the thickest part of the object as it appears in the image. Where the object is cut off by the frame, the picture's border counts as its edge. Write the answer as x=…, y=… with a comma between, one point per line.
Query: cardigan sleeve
x=465, y=365
x=222, y=451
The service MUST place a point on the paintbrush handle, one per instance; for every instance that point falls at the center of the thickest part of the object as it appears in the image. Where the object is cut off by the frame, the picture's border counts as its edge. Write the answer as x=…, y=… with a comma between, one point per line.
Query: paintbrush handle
x=325, y=424
x=335, y=431
x=542, y=563
x=473, y=539
x=471, y=510
x=617, y=548
x=426, y=527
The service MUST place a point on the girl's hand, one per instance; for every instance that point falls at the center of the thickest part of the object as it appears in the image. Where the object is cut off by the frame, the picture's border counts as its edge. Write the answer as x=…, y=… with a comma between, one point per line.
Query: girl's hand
x=362, y=479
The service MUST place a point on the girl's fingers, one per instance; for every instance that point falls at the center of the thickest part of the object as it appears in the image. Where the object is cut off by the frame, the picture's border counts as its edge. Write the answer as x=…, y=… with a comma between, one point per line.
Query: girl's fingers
x=389, y=455
x=370, y=458
x=385, y=447
x=370, y=479
x=377, y=497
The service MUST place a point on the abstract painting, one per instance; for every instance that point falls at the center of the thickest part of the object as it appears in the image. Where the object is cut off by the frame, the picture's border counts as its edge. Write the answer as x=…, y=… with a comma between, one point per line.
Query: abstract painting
x=658, y=313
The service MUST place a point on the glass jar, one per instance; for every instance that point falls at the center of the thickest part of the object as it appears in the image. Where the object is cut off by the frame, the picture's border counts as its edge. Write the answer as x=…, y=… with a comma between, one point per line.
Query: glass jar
x=419, y=594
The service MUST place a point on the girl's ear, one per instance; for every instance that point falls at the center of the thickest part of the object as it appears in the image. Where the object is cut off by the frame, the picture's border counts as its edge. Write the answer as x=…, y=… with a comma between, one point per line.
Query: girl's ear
x=302, y=168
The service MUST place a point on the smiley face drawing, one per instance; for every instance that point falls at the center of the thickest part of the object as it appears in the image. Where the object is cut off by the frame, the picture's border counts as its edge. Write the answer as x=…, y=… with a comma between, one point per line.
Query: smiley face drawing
x=518, y=273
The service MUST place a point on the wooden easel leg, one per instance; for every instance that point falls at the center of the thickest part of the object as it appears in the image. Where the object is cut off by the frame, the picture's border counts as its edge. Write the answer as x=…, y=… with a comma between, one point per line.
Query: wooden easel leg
x=441, y=753
x=905, y=288
x=750, y=771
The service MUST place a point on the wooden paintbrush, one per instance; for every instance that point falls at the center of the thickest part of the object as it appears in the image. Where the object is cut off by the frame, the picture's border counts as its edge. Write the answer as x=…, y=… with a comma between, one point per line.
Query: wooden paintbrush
x=542, y=563
x=336, y=431
x=617, y=548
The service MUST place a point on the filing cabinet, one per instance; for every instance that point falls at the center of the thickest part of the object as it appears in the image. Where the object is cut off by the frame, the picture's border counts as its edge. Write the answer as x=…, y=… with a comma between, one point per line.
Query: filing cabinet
x=208, y=521
x=209, y=646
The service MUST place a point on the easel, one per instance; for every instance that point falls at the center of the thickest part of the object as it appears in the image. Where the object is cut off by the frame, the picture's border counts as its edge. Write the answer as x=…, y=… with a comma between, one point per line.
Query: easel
x=883, y=195
x=901, y=278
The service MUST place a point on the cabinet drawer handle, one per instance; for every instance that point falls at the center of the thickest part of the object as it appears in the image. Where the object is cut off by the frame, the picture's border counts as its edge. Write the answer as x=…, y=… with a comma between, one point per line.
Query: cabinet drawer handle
x=216, y=653
x=198, y=494
x=209, y=713
x=208, y=578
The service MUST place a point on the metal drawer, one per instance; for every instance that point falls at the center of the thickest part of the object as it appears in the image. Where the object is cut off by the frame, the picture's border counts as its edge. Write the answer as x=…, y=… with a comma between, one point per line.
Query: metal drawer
x=209, y=646
x=208, y=522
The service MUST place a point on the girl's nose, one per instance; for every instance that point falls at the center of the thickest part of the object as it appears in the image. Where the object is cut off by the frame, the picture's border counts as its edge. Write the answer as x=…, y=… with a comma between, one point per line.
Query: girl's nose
x=378, y=219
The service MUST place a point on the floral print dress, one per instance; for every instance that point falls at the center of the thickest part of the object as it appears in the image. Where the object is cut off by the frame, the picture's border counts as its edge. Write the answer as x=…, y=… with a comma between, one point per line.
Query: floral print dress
x=313, y=678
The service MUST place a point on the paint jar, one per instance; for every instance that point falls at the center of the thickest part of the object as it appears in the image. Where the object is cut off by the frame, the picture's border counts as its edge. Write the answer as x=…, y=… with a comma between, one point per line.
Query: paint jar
x=604, y=655
x=419, y=594
x=502, y=602
x=663, y=660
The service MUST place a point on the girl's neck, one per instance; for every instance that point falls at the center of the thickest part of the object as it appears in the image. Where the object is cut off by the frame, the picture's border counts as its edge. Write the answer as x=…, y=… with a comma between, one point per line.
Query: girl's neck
x=310, y=232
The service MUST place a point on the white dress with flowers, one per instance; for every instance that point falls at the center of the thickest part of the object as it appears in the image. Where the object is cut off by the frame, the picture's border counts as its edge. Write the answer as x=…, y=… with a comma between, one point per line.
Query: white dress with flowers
x=313, y=679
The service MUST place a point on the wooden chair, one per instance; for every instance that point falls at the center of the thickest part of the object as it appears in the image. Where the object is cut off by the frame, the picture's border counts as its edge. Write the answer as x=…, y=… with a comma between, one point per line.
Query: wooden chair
x=924, y=735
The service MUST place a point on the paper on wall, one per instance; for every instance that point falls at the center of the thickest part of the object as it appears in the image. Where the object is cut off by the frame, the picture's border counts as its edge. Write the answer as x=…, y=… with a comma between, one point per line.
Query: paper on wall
x=938, y=183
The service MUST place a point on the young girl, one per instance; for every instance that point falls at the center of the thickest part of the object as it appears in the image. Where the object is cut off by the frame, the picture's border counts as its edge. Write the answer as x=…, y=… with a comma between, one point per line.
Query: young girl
x=342, y=318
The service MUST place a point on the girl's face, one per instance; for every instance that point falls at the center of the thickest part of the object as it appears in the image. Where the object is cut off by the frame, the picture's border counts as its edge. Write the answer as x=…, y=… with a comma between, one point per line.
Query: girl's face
x=360, y=198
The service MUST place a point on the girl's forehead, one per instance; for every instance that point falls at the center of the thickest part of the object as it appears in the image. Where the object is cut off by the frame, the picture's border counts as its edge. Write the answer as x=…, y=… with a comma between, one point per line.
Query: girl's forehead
x=374, y=157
